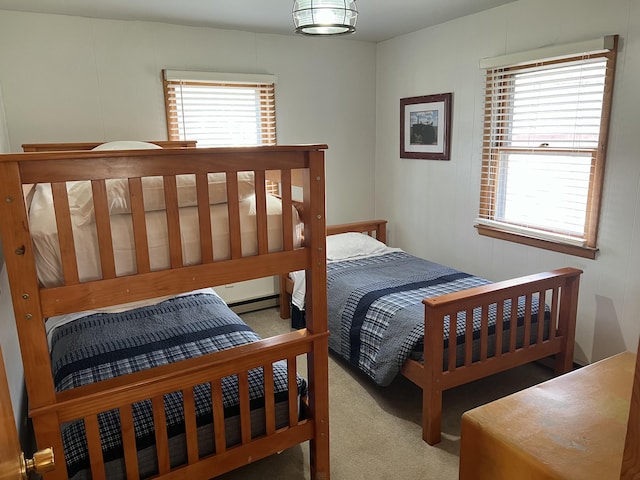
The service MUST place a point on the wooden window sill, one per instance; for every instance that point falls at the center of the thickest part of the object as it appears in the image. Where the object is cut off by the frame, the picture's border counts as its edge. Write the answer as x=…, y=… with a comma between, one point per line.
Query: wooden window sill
x=585, y=252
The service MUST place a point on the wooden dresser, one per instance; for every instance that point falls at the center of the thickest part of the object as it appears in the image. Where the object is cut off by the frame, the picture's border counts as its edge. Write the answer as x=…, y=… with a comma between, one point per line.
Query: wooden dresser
x=571, y=427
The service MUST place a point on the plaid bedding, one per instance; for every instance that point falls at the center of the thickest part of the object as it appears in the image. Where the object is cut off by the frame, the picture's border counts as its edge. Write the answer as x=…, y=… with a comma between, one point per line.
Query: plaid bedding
x=376, y=315
x=103, y=346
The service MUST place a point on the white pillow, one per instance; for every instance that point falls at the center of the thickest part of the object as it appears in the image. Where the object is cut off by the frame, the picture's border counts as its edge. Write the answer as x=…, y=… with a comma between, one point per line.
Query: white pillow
x=353, y=244
x=118, y=200
x=126, y=145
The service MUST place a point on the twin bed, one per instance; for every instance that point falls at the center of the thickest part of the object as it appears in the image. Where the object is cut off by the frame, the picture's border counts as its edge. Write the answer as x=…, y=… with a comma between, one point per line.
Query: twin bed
x=389, y=314
x=148, y=372
x=140, y=369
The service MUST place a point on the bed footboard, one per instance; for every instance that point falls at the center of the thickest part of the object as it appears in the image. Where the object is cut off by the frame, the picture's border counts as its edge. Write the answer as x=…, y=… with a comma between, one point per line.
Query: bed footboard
x=86, y=403
x=501, y=349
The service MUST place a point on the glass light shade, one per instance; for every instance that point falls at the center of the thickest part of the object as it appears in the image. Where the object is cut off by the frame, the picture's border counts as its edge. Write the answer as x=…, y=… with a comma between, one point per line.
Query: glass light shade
x=325, y=17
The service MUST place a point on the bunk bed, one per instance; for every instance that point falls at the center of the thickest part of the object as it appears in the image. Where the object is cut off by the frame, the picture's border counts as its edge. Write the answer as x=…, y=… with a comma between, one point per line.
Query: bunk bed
x=178, y=417
x=385, y=324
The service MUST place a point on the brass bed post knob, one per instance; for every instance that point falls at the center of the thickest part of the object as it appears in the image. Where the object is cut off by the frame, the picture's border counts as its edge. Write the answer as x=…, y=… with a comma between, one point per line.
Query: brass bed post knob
x=42, y=461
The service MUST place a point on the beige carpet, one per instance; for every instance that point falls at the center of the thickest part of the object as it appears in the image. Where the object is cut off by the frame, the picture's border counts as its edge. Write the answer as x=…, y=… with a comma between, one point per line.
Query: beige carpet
x=375, y=433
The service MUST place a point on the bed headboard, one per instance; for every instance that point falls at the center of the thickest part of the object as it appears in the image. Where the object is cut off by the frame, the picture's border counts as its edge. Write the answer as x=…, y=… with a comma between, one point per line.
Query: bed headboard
x=56, y=147
x=374, y=228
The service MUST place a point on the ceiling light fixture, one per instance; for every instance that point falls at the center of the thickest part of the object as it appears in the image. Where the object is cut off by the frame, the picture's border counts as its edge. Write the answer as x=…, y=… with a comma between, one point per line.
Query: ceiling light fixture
x=325, y=17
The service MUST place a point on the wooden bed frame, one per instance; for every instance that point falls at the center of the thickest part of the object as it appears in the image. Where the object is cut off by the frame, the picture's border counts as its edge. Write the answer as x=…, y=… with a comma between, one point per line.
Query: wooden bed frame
x=33, y=303
x=557, y=288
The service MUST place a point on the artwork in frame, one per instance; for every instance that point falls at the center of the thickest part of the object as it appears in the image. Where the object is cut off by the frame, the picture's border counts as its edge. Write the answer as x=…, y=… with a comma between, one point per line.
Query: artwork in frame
x=425, y=127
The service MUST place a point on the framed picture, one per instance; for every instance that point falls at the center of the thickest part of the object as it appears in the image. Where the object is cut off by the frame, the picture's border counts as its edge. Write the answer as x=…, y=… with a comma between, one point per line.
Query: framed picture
x=425, y=127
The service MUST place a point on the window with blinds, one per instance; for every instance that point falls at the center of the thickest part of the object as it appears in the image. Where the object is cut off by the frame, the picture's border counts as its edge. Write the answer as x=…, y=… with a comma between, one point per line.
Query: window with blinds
x=545, y=133
x=220, y=109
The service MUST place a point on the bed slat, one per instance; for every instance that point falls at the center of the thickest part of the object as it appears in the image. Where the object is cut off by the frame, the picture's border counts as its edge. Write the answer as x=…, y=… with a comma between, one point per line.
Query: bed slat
x=218, y=417
x=139, y=225
x=261, y=212
x=527, y=321
x=65, y=234
x=245, y=409
x=191, y=429
x=292, y=390
x=453, y=346
x=553, y=321
x=95, y=449
x=269, y=399
x=103, y=227
x=160, y=427
x=173, y=220
x=129, y=442
x=468, y=340
x=204, y=218
x=513, y=322
x=541, y=316
x=484, y=333
x=234, y=216
x=287, y=214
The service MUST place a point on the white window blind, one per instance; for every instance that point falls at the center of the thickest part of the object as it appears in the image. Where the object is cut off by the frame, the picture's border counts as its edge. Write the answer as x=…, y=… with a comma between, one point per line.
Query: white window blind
x=220, y=109
x=545, y=131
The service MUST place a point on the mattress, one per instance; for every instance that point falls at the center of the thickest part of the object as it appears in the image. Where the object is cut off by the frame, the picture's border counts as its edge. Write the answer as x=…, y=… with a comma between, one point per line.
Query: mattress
x=98, y=346
x=47, y=250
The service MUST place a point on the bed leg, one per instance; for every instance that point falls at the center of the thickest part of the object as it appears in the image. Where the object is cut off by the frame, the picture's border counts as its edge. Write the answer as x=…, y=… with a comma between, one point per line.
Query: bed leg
x=285, y=306
x=319, y=403
x=431, y=416
x=567, y=324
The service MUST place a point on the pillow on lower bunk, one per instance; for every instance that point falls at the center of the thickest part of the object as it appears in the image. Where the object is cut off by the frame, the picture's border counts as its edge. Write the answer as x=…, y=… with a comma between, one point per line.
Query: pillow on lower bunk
x=118, y=199
x=353, y=244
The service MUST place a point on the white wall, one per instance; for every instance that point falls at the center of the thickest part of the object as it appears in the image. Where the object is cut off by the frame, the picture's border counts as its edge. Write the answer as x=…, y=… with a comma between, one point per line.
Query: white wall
x=431, y=205
x=68, y=79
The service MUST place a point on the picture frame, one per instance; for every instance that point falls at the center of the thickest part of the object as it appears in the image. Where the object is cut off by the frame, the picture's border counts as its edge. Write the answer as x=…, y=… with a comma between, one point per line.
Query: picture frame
x=425, y=127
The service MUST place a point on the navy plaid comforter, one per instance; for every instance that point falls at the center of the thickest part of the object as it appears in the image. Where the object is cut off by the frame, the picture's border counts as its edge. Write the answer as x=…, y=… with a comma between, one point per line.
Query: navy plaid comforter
x=103, y=346
x=376, y=315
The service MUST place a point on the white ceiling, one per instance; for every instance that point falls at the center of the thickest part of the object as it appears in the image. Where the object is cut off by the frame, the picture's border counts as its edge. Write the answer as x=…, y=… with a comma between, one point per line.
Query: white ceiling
x=378, y=20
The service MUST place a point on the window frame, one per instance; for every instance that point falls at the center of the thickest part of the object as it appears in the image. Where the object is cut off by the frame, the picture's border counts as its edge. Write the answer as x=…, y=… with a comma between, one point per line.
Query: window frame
x=486, y=224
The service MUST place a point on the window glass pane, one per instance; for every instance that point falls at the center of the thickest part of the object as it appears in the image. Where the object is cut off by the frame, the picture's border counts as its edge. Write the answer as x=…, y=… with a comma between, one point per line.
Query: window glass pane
x=544, y=191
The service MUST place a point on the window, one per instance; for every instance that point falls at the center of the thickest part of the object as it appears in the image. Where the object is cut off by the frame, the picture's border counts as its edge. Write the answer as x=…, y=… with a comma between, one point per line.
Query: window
x=221, y=110
x=545, y=135
x=218, y=109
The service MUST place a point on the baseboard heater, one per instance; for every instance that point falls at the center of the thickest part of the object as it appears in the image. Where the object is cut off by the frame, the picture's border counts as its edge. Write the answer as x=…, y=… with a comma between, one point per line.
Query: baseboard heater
x=255, y=304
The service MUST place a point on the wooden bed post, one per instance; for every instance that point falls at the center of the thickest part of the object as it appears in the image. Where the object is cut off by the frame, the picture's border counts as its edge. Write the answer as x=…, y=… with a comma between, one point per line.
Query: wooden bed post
x=25, y=296
x=567, y=323
x=432, y=387
x=316, y=313
x=285, y=307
